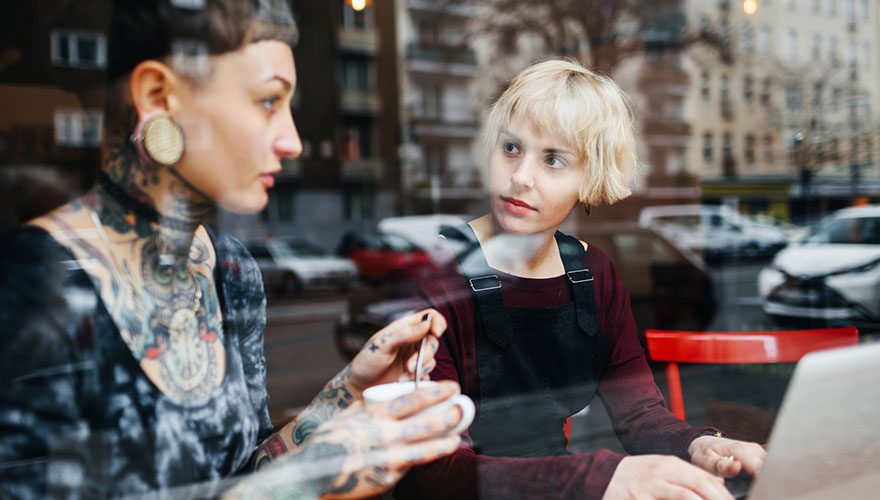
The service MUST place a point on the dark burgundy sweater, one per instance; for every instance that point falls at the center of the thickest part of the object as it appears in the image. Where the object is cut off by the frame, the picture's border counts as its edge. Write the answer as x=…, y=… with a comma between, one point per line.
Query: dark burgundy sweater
x=636, y=407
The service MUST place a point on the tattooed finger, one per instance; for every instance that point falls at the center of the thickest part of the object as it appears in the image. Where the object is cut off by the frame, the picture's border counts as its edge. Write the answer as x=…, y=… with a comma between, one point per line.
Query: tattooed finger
x=417, y=401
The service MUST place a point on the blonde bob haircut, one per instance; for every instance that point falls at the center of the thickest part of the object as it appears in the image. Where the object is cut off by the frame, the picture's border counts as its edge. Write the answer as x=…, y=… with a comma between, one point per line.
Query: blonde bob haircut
x=587, y=110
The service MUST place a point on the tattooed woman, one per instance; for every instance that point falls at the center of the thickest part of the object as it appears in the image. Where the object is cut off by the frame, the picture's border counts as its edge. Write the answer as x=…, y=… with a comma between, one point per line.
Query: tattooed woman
x=131, y=354
x=539, y=322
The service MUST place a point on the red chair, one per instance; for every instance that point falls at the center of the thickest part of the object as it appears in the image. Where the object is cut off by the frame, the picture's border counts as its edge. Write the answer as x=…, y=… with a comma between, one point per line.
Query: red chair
x=737, y=347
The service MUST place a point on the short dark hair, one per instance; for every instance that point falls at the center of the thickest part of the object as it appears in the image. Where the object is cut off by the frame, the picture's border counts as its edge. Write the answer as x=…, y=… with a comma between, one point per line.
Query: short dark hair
x=141, y=30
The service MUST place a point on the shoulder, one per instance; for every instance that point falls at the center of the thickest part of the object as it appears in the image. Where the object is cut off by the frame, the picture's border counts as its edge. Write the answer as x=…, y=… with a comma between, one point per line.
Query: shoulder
x=44, y=297
x=233, y=258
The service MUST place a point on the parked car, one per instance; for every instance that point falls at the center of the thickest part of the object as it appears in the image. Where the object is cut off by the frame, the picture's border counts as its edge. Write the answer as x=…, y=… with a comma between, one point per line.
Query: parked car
x=290, y=266
x=669, y=287
x=421, y=229
x=715, y=231
x=380, y=256
x=832, y=275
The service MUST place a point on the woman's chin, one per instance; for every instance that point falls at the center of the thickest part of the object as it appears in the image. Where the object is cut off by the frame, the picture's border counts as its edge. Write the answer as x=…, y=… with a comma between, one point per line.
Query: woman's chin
x=244, y=202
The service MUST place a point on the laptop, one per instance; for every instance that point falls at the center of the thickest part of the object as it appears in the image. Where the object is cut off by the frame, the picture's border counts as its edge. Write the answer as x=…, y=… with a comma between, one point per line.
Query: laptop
x=825, y=443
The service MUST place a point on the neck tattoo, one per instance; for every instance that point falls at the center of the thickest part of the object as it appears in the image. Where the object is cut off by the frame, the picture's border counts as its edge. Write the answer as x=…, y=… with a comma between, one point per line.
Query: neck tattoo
x=140, y=208
x=174, y=336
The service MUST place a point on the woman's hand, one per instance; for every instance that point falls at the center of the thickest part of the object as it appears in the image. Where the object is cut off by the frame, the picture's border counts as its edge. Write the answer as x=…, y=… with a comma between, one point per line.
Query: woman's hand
x=726, y=457
x=361, y=451
x=390, y=354
x=663, y=477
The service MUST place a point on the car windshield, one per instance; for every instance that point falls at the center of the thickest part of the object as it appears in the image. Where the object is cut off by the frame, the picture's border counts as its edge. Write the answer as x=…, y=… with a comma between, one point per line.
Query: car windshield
x=397, y=242
x=852, y=230
x=296, y=249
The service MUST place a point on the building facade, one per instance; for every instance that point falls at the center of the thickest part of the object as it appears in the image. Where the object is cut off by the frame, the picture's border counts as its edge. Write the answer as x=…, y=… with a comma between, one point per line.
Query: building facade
x=783, y=102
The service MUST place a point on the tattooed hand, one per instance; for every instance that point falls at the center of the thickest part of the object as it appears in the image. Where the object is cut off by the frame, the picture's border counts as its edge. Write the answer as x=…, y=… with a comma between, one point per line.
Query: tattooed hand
x=390, y=354
x=361, y=451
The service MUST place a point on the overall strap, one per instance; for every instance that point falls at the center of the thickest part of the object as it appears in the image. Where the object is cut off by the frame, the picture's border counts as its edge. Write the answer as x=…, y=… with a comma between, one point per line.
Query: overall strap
x=572, y=252
x=483, y=282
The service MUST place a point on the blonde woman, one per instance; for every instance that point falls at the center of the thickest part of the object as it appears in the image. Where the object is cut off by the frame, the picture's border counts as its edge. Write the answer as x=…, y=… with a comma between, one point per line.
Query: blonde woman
x=540, y=322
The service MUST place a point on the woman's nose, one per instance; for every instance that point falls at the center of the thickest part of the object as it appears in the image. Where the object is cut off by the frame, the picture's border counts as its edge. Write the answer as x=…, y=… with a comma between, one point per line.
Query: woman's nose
x=523, y=175
x=288, y=144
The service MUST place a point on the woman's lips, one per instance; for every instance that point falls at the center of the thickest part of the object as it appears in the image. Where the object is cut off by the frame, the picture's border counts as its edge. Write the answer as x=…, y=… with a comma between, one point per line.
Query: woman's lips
x=267, y=180
x=517, y=207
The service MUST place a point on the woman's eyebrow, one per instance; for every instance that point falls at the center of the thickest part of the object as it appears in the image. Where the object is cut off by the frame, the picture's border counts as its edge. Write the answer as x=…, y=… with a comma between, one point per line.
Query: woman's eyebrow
x=284, y=81
x=557, y=151
x=507, y=133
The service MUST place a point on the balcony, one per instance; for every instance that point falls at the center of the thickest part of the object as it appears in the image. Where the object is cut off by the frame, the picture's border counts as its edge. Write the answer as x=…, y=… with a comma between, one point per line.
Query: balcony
x=362, y=169
x=444, y=8
x=360, y=101
x=441, y=60
x=361, y=41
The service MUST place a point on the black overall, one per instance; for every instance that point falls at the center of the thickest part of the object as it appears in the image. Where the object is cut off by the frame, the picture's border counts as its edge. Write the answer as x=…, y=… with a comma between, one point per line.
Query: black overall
x=536, y=366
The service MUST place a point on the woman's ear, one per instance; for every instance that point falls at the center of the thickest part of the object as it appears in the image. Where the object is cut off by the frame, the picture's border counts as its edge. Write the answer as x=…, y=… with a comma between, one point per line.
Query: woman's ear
x=154, y=87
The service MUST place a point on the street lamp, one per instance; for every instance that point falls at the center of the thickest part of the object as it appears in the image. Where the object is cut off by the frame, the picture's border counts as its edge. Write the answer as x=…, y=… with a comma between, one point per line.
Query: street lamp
x=750, y=6
x=358, y=5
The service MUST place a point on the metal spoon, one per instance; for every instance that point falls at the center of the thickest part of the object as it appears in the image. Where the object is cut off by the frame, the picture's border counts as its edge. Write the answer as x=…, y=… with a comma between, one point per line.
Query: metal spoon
x=419, y=361
x=426, y=317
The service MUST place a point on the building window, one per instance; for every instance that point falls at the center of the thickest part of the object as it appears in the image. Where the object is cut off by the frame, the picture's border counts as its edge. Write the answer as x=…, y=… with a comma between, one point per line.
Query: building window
x=792, y=97
x=763, y=40
x=864, y=11
x=356, y=139
x=707, y=148
x=432, y=100
x=749, y=151
x=748, y=91
x=766, y=93
x=818, y=90
x=831, y=7
x=76, y=128
x=745, y=38
x=836, y=97
x=865, y=56
x=832, y=51
x=869, y=153
x=817, y=47
x=354, y=73
x=769, y=156
x=727, y=146
x=791, y=45
x=849, y=11
x=816, y=6
x=851, y=54
x=789, y=4
x=78, y=49
x=705, y=90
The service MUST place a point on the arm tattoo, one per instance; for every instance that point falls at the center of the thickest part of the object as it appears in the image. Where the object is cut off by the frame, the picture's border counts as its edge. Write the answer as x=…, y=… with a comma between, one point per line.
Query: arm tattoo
x=334, y=397
x=270, y=450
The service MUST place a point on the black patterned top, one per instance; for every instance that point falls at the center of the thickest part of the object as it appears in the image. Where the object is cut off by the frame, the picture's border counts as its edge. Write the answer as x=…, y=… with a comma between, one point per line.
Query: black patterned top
x=78, y=416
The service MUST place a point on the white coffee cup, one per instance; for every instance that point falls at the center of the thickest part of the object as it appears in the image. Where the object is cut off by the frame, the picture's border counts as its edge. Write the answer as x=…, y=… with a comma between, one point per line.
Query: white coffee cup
x=387, y=392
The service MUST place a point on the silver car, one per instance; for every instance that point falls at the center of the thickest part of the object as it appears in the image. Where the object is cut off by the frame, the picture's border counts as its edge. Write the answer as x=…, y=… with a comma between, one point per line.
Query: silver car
x=833, y=274
x=294, y=265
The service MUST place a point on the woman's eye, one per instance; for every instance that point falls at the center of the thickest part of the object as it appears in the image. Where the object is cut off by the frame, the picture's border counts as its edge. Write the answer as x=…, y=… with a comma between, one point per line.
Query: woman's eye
x=269, y=103
x=510, y=148
x=555, y=162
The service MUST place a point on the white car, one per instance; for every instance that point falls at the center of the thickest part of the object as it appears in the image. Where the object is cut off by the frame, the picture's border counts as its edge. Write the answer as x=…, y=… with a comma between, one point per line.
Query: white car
x=833, y=274
x=294, y=265
x=715, y=231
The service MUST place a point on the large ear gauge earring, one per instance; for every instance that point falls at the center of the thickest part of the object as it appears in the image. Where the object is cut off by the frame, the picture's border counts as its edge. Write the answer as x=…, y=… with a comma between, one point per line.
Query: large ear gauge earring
x=160, y=140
